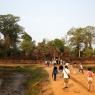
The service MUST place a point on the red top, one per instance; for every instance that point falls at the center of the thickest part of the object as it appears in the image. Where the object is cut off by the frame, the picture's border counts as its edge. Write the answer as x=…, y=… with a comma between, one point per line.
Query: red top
x=89, y=73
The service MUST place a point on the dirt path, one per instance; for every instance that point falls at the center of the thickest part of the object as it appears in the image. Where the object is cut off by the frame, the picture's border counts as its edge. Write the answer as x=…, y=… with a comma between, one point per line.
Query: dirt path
x=77, y=84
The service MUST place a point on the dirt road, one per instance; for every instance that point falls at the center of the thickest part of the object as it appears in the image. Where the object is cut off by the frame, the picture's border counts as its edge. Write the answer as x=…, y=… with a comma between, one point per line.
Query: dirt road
x=77, y=84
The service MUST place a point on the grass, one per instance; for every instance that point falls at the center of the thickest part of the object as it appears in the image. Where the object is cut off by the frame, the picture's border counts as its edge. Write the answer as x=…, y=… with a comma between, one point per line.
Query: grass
x=38, y=75
x=35, y=75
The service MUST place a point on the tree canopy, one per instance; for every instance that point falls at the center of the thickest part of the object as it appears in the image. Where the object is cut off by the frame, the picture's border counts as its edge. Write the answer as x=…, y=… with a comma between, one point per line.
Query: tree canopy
x=14, y=41
x=81, y=38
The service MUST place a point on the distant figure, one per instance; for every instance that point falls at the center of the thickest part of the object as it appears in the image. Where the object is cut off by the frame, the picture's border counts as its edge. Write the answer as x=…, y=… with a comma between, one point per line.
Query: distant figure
x=90, y=79
x=53, y=62
x=61, y=70
x=81, y=68
x=48, y=63
x=45, y=62
x=61, y=62
x=54, y=73
x=66, y=74
x=56, y=61
x=67, y=64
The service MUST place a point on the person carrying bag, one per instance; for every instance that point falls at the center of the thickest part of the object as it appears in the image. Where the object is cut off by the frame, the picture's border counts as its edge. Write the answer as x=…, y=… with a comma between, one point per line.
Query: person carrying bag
x=66, y=74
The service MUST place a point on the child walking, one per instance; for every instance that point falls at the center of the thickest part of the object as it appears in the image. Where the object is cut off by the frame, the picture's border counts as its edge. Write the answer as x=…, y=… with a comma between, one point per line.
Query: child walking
x=81, y=68
x=90, y=79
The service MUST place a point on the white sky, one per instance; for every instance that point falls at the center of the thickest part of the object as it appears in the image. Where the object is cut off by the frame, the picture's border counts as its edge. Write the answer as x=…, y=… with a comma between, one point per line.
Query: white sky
x=50, y=19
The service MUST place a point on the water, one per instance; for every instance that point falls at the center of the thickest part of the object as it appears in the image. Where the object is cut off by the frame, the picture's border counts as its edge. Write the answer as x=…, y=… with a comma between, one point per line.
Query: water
x=11, y=82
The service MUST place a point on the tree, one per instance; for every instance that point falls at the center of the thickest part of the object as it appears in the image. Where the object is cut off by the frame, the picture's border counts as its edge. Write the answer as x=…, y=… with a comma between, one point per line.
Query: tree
x=59, y=44
x=41, y=50
x=81, y=38
x=11, y=30
x=51, y=50
x=88, y=52
x=90, y=35
x=76, y=39
x=26, y=44
x=26, y=47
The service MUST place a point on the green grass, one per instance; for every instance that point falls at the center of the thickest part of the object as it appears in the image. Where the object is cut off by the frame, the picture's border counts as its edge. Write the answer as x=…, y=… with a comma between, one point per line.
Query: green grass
x=37, y=75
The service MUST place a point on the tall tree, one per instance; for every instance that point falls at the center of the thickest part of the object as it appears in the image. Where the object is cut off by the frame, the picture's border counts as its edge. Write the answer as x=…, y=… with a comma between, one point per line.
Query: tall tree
x=90, y=35
x=26, y=44
x=10, y=29
x=81, y=38
x=59, y=44
x=76, y=39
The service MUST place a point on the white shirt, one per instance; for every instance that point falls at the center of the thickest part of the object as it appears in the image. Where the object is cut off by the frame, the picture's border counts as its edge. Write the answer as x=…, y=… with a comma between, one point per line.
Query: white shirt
x=81, y=67
x=45, y=62
x=66, y=72
x=54, y=61
x=67, y=64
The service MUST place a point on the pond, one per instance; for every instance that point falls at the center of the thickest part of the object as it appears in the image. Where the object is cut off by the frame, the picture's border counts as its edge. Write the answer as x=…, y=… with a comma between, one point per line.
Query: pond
x=19, y=80
x=12, y=82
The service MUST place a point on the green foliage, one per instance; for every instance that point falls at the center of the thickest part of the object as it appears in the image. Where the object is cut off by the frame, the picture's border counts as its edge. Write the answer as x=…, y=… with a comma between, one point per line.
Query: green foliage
x=33, y=75
x=37, y=75
x=75, y=40
x=27, y=47
x=59, y=44
x=9, y=27
x=81, y=38
x=55, y=48
x=49, y=49
x=88, y=52
x=26, y=44
x=11, y=30
x=27, y=37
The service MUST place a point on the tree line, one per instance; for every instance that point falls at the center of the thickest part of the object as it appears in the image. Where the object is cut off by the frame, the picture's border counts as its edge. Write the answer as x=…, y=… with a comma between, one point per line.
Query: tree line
x=15, y=42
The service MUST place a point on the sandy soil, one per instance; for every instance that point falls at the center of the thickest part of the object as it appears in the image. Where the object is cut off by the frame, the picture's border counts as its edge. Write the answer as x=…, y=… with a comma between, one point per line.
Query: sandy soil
x=77, y=83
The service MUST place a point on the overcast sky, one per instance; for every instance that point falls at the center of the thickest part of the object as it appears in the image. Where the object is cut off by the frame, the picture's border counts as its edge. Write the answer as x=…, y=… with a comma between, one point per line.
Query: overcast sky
x=50, y=19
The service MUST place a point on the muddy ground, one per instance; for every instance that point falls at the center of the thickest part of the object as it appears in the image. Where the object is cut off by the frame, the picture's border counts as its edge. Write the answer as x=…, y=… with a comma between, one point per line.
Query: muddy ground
x=12, y=83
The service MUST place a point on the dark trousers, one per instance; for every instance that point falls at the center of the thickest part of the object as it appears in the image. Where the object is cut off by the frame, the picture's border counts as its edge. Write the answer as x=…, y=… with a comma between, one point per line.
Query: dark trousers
x=54, y=76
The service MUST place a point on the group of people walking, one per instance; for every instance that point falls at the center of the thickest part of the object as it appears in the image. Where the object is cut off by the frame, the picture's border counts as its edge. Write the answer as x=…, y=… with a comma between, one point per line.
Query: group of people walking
x=65, y=73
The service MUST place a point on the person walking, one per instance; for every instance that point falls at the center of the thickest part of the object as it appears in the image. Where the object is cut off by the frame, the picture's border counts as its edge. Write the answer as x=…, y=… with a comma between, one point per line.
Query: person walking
x=55, y=72
x=66, y=74
x=90, y=79
x=81, y=68
x=48, y=63
x=61, y=70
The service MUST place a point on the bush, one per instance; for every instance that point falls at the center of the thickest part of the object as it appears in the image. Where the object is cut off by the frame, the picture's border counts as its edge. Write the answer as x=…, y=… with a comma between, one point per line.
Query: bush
x=88, y=52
